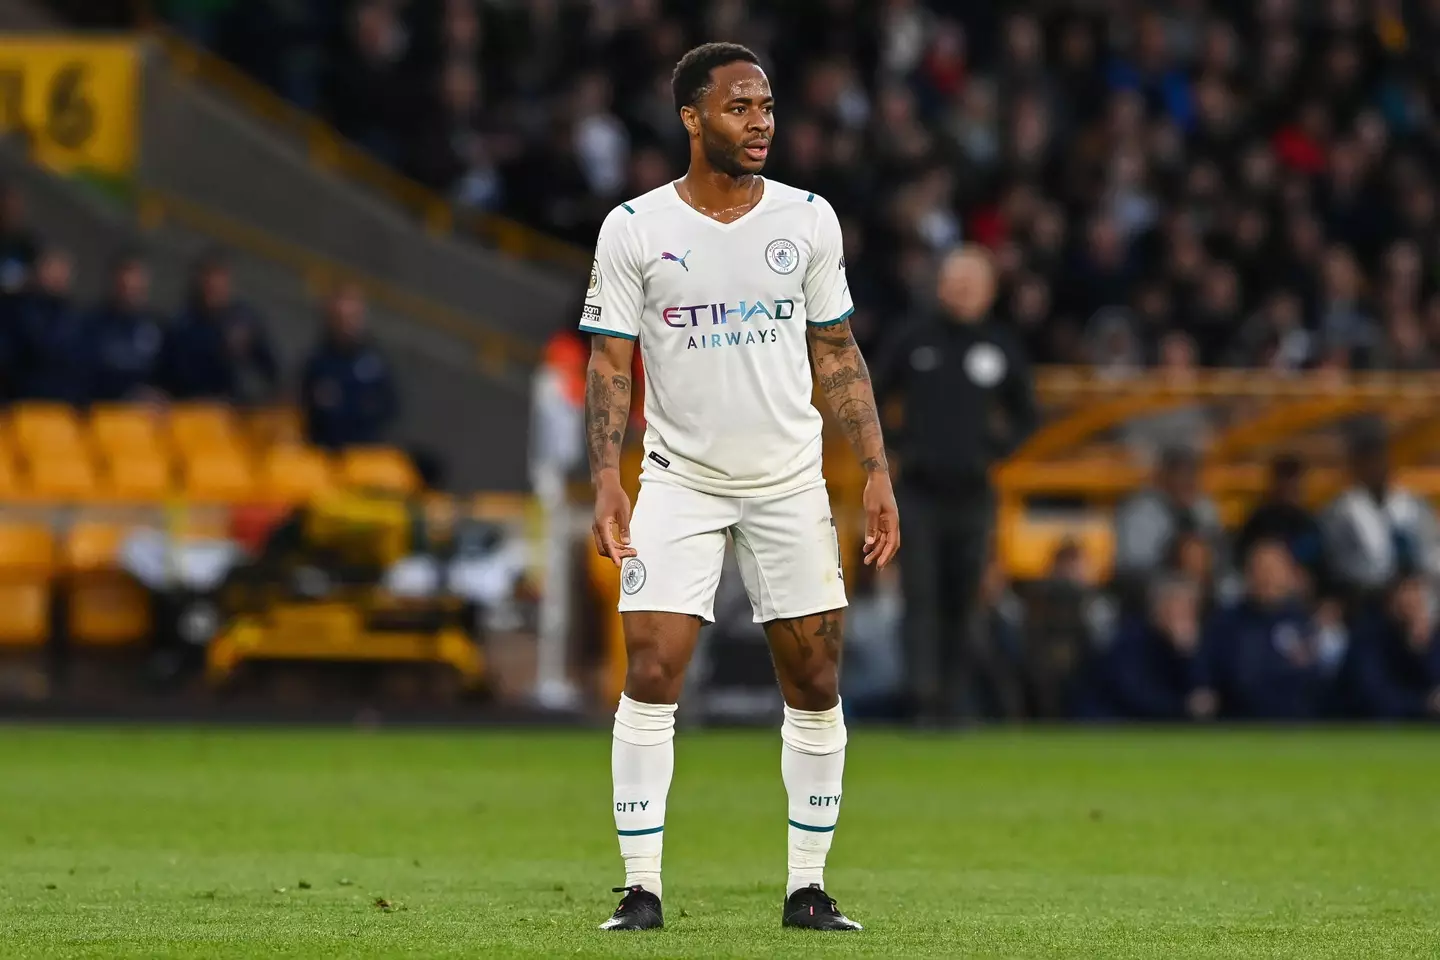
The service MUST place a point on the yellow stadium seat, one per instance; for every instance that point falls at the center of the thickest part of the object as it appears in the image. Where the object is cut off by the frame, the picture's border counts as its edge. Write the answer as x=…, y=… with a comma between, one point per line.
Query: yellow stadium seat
x=27, y=559
x=46, y=428
x=124, y=428
x=379, y=468
x=221, y=475
x=105, y=606
x=295, y=474
x=1028, y=549
x=202, y=426
x=273, y=426
x=59, y=477
x=10, y=486
x=143, y=478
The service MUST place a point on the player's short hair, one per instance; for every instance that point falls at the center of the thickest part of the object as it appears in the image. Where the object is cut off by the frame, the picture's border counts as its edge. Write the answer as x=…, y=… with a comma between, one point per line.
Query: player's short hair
x=691, y=80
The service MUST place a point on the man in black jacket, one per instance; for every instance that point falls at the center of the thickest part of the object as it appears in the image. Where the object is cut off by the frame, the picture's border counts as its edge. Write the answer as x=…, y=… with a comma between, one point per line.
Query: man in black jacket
x=125, y=335
x=969, y=401
x=347, y=389
x=218, y=348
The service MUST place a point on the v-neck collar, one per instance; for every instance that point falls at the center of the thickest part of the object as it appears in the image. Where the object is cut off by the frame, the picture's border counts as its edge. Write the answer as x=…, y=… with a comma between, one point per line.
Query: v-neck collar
x=764, y=199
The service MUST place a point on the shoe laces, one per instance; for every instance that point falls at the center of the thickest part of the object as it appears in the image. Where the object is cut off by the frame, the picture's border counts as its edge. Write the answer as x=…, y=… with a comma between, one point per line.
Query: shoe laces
x=826, y=900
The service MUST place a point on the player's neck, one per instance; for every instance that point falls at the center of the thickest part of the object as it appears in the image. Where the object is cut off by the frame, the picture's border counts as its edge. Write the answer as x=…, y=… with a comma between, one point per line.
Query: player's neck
x=719, y=195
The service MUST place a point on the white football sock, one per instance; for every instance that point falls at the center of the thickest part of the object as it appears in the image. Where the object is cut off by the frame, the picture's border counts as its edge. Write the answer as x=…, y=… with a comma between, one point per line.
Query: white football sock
x=812, y=763
x=642, y=761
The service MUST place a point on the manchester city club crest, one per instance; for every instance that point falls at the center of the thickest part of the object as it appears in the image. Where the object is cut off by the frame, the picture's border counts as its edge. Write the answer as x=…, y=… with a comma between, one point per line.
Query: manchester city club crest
x=632, y=576
x=783, y=256
x=594, y=287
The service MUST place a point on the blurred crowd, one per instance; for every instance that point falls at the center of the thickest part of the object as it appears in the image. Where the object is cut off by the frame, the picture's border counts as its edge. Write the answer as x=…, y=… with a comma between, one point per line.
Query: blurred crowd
x=1298, y=615
x=1177, y=184
x=215, y=346
x=1190, y=181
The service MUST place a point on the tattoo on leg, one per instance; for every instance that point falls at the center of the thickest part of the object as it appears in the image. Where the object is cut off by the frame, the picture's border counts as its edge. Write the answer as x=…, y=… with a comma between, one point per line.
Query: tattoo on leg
x=802, y=643
x=828, y=632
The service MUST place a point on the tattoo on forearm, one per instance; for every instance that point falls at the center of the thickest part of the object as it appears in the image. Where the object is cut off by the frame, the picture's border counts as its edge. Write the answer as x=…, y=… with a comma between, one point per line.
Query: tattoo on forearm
x=845, y=380
x=607, y=406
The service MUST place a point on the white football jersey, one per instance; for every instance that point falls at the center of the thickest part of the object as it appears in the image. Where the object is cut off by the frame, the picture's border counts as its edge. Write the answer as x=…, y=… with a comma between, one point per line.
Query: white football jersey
x=720, y=311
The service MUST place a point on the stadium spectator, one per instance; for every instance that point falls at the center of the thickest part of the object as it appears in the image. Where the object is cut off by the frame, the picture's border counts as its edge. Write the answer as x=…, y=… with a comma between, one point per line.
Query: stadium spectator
x=51, y=355
x=367, y=90
x=1188, y=425
x=1192, y=555
x=217, y=349
x=347, y=388
x=18, y=243
x=1154, y=669
x=1265, y=655
x=1065, y=618
x=1147, y=523
x=126, y=337
x=1282, y=516
x=1376, y=529
x=1393, y=668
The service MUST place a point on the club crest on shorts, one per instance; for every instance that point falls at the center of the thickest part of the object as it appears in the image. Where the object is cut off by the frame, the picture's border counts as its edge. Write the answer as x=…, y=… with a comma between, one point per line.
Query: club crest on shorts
x=783, y=256
x=632, y=576
x=594, y=288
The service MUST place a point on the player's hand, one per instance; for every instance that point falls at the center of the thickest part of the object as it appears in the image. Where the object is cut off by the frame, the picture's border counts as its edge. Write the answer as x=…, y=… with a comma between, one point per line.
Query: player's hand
x=612, y=520
x=882, y=520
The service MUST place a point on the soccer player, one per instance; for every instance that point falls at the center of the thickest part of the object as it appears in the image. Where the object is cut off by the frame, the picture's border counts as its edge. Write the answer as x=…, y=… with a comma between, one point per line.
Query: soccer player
x=734, y=286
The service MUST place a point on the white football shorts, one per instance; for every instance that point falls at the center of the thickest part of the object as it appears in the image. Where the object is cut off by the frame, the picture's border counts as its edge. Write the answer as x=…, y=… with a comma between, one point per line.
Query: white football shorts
x=785, y=546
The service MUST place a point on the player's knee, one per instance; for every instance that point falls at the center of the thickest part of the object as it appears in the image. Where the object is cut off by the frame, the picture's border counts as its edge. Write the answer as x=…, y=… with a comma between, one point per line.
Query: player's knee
x=652, y=679
x=817, y=688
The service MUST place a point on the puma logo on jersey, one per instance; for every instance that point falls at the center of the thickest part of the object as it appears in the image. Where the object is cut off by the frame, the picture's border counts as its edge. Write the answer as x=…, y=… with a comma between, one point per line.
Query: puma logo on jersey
x=667, y=255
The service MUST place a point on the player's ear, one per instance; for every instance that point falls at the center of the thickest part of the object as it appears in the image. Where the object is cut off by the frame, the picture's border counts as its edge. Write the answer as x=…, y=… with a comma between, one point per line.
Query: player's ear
x=691, y=118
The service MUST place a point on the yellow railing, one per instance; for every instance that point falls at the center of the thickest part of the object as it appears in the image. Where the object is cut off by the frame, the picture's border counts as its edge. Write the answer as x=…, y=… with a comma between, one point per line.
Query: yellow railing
x=328, y=150
x=1073, y=455
x=494, y=351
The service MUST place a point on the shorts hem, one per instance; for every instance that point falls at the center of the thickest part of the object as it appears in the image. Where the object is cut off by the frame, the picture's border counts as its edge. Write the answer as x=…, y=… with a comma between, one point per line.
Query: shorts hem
x=806, y=611
x=654, y=608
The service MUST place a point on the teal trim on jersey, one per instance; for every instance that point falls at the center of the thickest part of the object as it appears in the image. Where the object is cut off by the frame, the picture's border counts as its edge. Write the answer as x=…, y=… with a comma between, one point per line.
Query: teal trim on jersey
x=831, y=323
x=609, y=333
x=806, y=826
x=810, y=199
x=628, y=209
x=646, y=833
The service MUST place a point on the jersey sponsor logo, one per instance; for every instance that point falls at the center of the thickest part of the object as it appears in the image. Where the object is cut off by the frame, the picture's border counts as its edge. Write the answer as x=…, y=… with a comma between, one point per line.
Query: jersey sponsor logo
x=632, y=576
x=985, y=364
x=732, y=338
x=667, y=255
x=593, y=290
x=783, y=256
x=591, y=313
x=741, y=311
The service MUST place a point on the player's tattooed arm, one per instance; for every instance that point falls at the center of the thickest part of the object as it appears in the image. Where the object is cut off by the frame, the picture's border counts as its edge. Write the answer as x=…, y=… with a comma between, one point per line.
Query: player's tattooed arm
x=607, y=402
x=845, y=380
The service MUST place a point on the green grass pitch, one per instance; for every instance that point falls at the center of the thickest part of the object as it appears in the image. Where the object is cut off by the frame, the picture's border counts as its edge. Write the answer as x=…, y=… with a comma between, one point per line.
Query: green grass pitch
x=167, y=843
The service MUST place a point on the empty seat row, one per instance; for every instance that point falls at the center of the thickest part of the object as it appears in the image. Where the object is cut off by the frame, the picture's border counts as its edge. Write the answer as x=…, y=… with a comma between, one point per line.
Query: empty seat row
x=37, y=428
x=100, y=604
x=283, y=474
